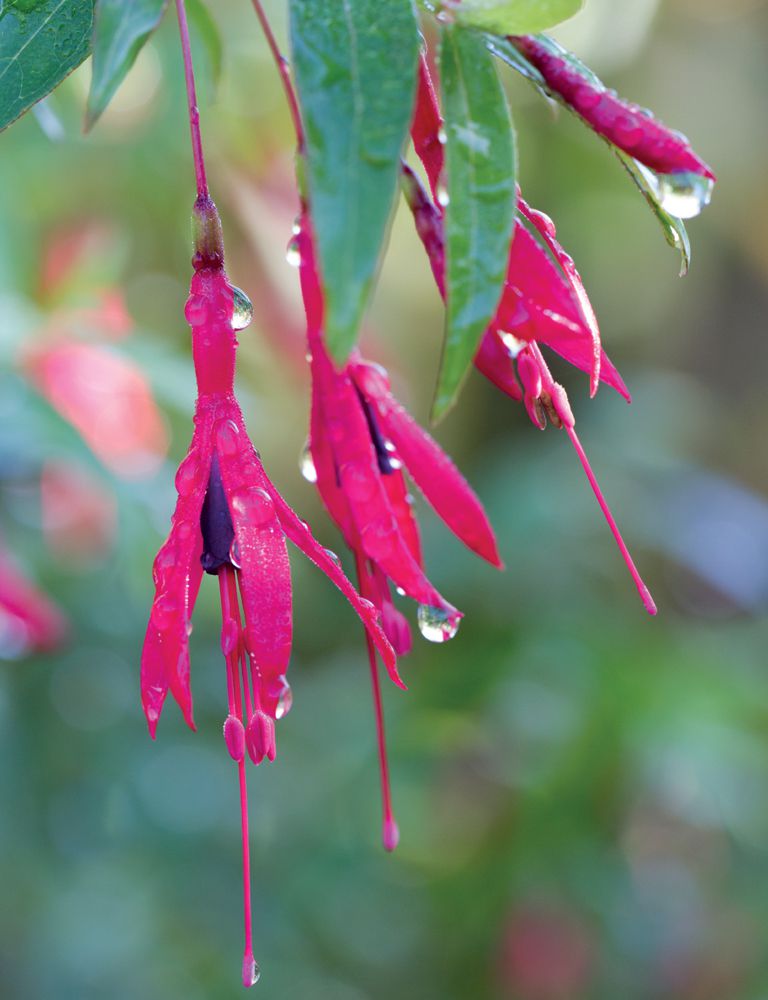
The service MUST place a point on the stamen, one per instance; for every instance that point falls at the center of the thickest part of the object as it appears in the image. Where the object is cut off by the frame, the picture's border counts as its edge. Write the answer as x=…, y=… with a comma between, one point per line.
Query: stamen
x=390, y=834
x=232, y=644
x=645, y=594
x=559, y=401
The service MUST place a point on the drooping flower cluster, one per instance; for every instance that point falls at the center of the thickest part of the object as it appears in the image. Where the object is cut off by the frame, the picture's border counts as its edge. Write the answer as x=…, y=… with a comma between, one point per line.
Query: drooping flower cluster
x=360, y=443
x=543, y=302
x=231, y=522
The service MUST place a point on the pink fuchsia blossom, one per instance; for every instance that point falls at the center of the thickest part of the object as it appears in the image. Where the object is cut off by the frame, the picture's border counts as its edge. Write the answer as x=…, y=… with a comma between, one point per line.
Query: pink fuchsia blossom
x=29, y=620
x=543, y=302
x=361, y=441
x=106, y=398
x=231, y=522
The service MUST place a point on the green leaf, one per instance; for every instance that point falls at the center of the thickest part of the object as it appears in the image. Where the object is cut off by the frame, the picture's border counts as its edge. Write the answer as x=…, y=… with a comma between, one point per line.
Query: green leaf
x=673, y=228
x=515, y=17
x=41, y=42
x=355, y=63
x=480, y=213
x=120, y=31
x=205, y=34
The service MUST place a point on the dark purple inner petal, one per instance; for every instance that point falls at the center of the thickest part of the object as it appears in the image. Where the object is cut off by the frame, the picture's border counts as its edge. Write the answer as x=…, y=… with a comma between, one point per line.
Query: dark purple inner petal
x=216, y=524
x=380, y=446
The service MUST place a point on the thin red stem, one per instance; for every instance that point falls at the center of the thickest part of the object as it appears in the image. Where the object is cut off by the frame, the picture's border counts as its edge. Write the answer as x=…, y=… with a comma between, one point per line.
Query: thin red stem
x=390, y=833
x=194, y=113
x=285, y=74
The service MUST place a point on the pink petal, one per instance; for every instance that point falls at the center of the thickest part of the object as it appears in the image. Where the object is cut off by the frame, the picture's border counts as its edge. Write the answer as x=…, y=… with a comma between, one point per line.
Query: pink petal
x=44, y=626
x=546, y=229
x=264, y=571
x=494, y=361
x=431, y=469
x=177, y=573
x=426, y=125
x=299, y=533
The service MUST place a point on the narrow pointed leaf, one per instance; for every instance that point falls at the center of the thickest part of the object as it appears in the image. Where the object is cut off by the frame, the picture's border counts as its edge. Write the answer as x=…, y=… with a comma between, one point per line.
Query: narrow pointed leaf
x=120, y=31
x=355, y=63
x=516, y=17
x=673, y=228
x=40, y=44
x=480, y=215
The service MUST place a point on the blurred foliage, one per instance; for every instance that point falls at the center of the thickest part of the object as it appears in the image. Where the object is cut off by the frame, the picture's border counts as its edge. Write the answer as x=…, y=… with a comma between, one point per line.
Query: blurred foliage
x=581, y=791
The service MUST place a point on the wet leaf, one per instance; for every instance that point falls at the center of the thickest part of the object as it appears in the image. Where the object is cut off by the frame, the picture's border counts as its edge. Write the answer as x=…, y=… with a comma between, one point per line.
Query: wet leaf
x=120, y=31
x=516, y=17
x=480, y=213
x=355, y=64
x=673, y=228
x=41, y=42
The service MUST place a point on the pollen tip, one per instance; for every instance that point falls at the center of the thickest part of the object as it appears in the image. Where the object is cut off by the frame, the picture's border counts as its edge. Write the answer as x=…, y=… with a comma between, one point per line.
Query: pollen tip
x=390, y=834
x=207, y=235
x=648, y=601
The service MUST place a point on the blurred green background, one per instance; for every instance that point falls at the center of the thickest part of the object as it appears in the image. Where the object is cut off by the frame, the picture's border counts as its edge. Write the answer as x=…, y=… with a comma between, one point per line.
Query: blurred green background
x=582, y=792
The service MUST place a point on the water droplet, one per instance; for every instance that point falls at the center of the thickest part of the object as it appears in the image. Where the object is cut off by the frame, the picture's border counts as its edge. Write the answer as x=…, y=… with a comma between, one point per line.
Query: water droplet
x=230, y=635
x=333, y=555
x=400, y=591
x=307, y=464
x=234, y=555
x=196, y=310
x=164, y=613
x=284, y=701
x=189, y=628
x=253, y=506
x=437, y=624
x=443, y=198
x=186, y=475
x=296, y=227
x=683, y=194
x=251, y=971
x=442, y=136
x=293, y=253
x=242, y=309
x=587, y=98
x=394, y=463
x=228, y=437
x=512, y=344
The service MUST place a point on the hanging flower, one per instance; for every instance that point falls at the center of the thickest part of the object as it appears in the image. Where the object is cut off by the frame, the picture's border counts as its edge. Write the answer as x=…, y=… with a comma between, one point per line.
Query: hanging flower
x=231, y=522
x=29, y=621
x=543, y=302
x=361, y=441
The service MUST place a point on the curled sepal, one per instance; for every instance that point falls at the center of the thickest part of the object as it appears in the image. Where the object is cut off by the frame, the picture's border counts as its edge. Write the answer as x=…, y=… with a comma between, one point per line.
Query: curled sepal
x=298, y=532
x=444, y=487
x=545, y=227
x=177, y=573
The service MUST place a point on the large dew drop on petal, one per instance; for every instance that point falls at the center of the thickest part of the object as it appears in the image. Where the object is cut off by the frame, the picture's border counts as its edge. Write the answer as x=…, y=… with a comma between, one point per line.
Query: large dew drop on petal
x=242, y=309
x=437, y=624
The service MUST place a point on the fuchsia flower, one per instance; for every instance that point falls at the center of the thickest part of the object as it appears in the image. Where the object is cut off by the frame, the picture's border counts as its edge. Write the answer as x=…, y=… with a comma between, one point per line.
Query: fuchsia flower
x=231, y=522
x=683, y=179
x=360, y=440
x=543, y=302
x=29, y=621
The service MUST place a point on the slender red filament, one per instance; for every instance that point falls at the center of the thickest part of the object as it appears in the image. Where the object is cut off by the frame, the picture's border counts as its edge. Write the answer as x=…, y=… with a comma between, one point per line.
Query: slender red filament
x=194, y=114
x=390, y=833
x=642, y=589
x=230, y=613
x=285, y=74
